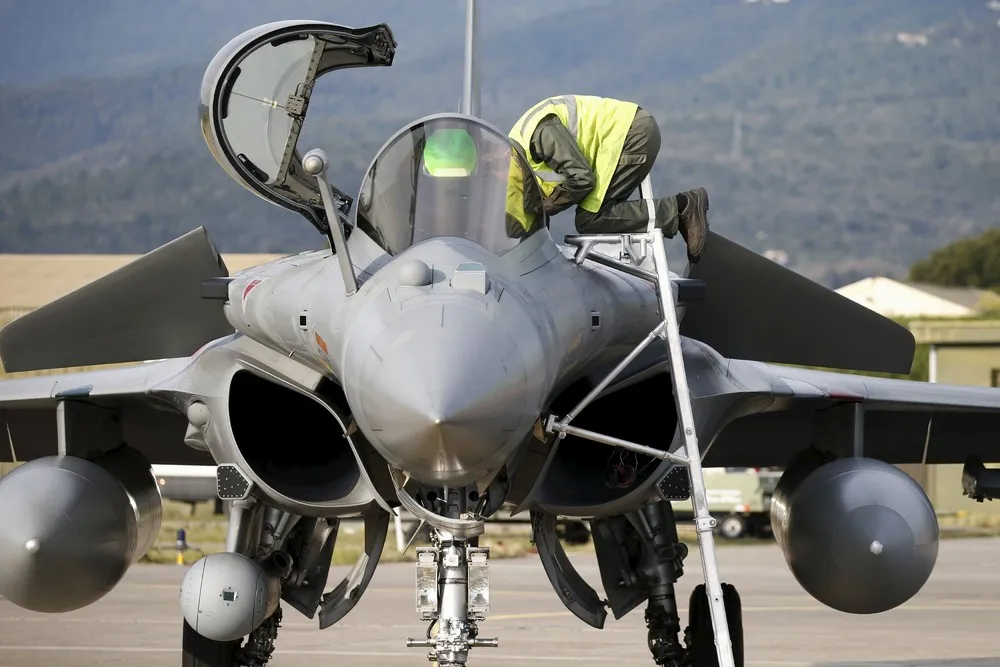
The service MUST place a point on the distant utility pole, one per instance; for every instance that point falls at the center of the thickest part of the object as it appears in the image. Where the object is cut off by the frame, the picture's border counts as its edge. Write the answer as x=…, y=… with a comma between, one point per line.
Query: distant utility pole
x=736, y=150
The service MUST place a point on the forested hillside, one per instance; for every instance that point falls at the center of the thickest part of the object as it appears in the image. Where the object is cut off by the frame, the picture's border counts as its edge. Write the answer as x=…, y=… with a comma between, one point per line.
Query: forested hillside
x=870, y=130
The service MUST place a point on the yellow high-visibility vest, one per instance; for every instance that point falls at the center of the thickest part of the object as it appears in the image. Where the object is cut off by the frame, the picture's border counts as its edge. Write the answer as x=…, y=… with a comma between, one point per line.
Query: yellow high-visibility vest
x=599, y=125
x=525, y=221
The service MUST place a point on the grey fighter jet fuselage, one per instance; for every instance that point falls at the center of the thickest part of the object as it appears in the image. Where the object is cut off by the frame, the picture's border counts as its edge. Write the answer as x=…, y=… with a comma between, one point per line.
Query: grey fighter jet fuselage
x=448, y=352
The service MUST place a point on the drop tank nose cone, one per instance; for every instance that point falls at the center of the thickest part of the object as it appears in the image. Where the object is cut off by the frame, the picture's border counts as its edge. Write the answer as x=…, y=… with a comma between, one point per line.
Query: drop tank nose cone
x=449, y=403
x=67, y=534
x=858, y=534
x=53, y=545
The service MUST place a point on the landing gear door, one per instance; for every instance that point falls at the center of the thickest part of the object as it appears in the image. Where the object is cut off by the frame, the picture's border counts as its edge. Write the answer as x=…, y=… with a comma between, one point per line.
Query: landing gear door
x=255, y=95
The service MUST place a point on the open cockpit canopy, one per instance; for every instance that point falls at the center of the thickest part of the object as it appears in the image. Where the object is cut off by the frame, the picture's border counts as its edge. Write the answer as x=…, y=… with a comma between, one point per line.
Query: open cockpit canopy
x=254, y=99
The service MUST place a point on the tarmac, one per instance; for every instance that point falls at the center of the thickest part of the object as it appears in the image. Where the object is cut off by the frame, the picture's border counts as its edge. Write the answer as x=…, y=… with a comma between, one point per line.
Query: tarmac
x=952, y=622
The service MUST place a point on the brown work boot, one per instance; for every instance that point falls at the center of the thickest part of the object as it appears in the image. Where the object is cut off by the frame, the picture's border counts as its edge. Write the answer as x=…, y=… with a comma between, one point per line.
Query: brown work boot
x=694, y=222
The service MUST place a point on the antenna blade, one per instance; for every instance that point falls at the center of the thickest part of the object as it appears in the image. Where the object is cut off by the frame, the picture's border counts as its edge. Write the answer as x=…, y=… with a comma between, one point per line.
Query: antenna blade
x=470, y=89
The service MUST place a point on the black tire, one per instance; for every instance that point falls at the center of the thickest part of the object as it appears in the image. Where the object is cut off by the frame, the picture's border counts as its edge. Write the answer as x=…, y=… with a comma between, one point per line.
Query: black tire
x=702, y=636
x=733, y=527
x=198, y=651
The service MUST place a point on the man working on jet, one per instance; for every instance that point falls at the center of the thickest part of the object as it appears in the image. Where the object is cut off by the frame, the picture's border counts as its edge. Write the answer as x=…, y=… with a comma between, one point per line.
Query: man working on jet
x=594, y=152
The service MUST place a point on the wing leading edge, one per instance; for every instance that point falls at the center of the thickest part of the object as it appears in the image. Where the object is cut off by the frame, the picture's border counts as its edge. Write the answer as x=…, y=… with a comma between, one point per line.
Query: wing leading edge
x=29, y=421
x=899, y=421
x=753, y=414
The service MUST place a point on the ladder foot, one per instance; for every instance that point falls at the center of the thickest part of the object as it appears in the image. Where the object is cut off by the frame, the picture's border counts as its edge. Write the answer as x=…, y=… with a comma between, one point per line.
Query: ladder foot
x=699, y=635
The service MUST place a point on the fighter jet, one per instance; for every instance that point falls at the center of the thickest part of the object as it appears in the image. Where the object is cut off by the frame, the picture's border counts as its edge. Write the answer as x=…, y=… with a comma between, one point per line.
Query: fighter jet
x=445, y=354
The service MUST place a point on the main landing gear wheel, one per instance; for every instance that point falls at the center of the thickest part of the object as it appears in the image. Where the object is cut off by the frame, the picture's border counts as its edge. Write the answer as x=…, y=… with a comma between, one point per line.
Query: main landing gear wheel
x=700, y=638
x=198, y=651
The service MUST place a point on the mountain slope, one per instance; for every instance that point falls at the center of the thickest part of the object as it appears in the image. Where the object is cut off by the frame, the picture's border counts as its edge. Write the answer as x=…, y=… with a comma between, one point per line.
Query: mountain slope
x=860, y=154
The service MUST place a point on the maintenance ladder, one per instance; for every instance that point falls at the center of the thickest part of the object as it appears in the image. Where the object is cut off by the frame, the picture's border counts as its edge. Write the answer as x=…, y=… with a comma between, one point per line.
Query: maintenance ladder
x=690, y=456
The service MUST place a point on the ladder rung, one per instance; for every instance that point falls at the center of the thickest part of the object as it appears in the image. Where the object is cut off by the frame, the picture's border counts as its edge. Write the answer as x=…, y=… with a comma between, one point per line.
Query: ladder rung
x=688, y=289
x=624, y=267
x=580, y=239
x=616, y=442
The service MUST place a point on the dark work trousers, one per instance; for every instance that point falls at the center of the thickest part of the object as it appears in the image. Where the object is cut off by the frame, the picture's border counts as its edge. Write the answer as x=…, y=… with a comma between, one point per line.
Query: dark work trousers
x=618, y=215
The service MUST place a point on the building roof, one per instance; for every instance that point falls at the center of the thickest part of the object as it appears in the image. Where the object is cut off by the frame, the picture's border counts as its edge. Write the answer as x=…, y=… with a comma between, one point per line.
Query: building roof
x=31, y=281
x=970, y=297
x=912, y=299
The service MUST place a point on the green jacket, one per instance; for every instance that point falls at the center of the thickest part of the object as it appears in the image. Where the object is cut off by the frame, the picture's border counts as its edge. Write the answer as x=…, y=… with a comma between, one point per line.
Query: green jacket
x=552, y=144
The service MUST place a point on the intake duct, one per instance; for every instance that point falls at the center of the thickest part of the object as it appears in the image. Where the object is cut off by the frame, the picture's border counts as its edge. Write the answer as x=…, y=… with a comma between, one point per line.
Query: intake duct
x=291, y=442
x=585, y=474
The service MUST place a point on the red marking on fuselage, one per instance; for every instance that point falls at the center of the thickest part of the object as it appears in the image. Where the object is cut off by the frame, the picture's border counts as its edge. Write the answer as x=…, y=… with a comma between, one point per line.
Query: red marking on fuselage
x=322, y=344
x=250, y=285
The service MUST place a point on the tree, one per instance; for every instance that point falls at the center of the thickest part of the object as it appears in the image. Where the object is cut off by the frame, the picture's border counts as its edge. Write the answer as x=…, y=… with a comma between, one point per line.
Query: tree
x=971, y=262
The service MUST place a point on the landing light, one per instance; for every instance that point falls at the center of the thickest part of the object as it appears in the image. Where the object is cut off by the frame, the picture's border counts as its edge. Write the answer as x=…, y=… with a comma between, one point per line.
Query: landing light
x=427, y=582
x=479, y=580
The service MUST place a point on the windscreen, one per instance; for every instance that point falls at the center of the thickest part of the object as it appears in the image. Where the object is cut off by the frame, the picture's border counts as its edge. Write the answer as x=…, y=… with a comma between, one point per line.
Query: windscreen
x=449, y=176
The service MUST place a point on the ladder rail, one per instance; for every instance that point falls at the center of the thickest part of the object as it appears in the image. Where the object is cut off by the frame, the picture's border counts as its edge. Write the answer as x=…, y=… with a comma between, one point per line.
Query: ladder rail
x=682, y=397
x=669, y=331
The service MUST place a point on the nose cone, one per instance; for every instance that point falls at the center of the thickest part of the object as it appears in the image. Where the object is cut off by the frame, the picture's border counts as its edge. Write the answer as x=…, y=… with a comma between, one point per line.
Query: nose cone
x=445, y=393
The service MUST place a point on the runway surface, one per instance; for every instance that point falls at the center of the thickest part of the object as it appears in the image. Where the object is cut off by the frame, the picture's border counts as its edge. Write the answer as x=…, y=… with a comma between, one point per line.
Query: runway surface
x=953, y=622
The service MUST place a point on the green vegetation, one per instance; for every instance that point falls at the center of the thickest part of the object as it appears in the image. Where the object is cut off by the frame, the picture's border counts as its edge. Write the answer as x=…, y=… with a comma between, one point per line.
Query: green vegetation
x=973, y=262
x=969, y=524
x=860, y=154
x=206, y=533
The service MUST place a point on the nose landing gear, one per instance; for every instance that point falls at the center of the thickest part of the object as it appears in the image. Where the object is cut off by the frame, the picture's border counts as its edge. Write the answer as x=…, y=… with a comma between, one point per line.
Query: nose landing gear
x=453, y=583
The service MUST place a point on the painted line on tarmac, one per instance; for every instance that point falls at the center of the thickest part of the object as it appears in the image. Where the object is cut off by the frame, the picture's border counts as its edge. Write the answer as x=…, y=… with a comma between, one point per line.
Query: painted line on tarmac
x=305, y=624
x=499, y=617
x=537, y=614
x=815, y=608
x=176, y=587
x=946, y=605
x=611, y=659
x=914, y=607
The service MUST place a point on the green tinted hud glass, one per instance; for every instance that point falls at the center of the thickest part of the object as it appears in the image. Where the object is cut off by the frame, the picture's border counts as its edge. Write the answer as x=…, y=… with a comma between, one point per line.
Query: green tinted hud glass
x=450, y=153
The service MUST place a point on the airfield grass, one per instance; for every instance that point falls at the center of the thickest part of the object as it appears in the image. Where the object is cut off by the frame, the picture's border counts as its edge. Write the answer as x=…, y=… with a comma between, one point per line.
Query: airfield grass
x=968, y=524
x=206, y=534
